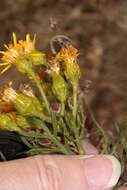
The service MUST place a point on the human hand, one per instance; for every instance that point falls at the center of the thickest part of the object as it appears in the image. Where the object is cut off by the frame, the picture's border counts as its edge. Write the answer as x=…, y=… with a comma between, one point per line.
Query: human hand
x=57, y=172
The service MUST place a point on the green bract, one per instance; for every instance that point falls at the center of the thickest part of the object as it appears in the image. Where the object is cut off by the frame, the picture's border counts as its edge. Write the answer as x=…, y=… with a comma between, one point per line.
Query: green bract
x=38, y=58
x=60, y=88
x=26, y=105
x=6, y=123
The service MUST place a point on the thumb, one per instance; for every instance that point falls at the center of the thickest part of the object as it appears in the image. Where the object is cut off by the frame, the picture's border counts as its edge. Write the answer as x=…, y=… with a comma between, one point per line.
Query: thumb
x=57, y=172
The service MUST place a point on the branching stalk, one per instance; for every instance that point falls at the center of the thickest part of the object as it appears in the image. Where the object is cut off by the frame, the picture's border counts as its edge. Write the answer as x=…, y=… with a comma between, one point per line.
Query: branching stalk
x=32, y=74
x=62, y=108
x=54, y=139
x=75, y=100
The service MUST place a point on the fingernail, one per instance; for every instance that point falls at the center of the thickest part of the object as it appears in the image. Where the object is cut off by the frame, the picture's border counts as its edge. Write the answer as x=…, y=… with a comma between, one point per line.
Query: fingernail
x=102, y=171
x=116, y=171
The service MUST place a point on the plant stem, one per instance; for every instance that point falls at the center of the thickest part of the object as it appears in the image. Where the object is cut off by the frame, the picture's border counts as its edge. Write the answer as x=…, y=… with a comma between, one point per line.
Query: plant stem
x=62, y=108
x=80, y=147
x=64, y=149
x=78, y=140
x=75, y=86
x=33, y=75
x=60, y=145
x=45, y=118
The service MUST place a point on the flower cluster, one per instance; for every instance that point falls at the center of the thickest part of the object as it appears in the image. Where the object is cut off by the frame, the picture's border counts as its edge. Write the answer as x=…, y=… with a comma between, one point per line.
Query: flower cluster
x=57, y=77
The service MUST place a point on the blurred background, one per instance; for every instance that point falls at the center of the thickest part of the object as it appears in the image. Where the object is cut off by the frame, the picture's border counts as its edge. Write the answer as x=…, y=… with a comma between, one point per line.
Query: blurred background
x=98, y=28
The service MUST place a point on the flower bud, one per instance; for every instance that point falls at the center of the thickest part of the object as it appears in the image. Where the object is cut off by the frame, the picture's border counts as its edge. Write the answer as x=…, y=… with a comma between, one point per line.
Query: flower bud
x=73, y=73
x=60, y=88
x=22, y=122
x=7, y=123
x=27, y=106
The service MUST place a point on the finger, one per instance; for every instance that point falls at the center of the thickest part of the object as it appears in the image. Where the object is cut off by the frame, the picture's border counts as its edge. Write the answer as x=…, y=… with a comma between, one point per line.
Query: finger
x=58, y=172
x=89, y=148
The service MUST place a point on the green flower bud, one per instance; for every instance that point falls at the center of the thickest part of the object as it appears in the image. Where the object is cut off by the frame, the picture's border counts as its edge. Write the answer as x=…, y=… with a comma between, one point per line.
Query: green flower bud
x=7, y=123
x=27, y=106
x=22, y=122
x=73, y=73
x=60, y=88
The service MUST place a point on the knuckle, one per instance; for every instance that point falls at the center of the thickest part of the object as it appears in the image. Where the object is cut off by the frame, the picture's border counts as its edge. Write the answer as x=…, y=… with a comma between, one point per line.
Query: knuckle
x=49, y=174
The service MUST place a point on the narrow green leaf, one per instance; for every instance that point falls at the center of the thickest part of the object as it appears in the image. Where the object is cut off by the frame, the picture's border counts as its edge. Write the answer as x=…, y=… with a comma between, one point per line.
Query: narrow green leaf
x=26, y=142
x=117, y=127
x=3, y=157
x=106, y=139
x=54, y=123
x=35, y=135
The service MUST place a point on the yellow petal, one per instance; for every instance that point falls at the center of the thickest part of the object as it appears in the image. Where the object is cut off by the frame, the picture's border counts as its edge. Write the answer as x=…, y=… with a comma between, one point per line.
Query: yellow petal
x=14, y=39
x=2, y=52
x=28, y=38
x=2, y=64
x=6, y=68
x=34, y=40
x=10, y=83
x=6, y=46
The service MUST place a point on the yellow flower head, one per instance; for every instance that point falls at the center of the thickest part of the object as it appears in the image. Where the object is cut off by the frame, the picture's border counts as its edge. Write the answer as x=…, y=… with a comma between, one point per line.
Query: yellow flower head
x=71, y=67
x=68, y=54
x=27, y=90
x=54, y=68
x=16, y=49
x=9, y=94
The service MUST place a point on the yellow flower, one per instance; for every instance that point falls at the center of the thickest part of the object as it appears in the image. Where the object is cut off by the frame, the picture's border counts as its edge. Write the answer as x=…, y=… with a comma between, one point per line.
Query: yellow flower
x=69, y=56
x=27, y=90
x=25, y=105
x=55, y=68
x=9, y=94
x=26, y=47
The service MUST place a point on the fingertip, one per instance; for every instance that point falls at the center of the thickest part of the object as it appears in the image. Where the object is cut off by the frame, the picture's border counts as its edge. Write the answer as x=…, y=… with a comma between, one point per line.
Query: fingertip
x=116, y=170
x=101, y=171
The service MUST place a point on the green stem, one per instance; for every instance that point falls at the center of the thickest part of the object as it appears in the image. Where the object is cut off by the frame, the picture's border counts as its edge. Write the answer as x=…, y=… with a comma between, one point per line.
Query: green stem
x=33, y=75
x=78, y=139
x=75, y=86
x=45, y=118
x=62, y=148
x=80, y=147
x=79, y=142
x=62, y=108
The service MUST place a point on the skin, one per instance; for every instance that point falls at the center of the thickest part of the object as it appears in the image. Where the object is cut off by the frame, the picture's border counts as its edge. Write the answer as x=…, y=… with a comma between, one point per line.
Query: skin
x=56, y=172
